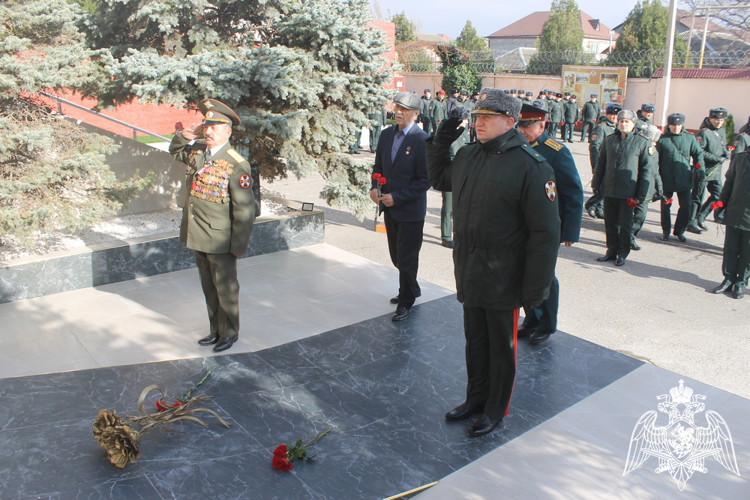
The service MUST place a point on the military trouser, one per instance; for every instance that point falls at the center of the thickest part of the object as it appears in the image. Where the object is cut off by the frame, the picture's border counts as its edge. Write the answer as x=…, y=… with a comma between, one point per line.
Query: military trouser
x=375, y=138
x=736, y=264
x=404, y=243
x=446, y=217
x=218, y=274
x=567, y=132
x=639, y=217
x=595, y=202
x=681, y=223
x=354, y=148
x=618, y=226
x=544, y=317
x=491, y=339
x=586, y=130
x=427, y=126
x=553, y=129
x=699, y=210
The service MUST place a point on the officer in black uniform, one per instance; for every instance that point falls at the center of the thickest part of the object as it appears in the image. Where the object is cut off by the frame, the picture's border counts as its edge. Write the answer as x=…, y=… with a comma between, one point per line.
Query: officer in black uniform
x=541, y=321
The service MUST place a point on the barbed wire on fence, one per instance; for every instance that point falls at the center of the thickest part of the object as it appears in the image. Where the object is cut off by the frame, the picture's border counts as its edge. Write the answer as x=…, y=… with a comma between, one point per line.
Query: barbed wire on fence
x=528, y=60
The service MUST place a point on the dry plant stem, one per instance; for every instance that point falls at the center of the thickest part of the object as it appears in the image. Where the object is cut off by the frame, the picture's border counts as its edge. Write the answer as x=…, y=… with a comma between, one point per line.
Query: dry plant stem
x=173, y=414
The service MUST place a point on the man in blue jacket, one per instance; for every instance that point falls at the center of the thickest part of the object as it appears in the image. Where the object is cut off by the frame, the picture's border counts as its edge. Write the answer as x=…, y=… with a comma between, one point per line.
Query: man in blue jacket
x=401, y=160
x=540, y=322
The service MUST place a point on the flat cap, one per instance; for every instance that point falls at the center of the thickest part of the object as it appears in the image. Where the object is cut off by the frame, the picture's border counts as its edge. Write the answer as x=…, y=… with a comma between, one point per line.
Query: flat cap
x=676, y=119
x=216, y=112
x=408, y=100
x=530, y=114
x=612, y=109
x=718, y=113
x=496, y=102
x=626, y=114
x=647, y=107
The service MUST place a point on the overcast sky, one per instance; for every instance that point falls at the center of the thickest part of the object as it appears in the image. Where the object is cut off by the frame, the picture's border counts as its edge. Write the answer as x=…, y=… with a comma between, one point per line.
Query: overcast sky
x=448, y=17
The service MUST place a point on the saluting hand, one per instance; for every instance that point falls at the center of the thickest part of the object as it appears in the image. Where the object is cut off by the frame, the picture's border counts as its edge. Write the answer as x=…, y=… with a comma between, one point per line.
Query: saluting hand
x=192, y=132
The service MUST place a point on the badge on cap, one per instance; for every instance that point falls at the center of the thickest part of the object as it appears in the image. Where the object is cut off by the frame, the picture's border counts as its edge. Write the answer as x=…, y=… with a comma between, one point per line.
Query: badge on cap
x=245, y=181
x=551, y=190
x=210, y=114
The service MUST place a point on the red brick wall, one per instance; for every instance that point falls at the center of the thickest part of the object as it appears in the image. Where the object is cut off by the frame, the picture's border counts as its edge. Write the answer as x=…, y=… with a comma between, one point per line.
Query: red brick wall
x=390, y=33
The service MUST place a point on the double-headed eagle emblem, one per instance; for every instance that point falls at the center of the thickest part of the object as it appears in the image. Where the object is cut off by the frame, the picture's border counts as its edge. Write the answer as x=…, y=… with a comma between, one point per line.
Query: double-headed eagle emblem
x=681, y=446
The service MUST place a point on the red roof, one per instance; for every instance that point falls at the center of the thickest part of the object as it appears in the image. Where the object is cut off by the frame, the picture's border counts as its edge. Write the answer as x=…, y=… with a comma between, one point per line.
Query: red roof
x=531, y=27
x=716, y=73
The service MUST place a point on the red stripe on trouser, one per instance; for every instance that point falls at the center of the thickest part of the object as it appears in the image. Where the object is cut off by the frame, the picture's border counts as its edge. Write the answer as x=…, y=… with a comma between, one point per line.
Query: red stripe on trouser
x=515, y=356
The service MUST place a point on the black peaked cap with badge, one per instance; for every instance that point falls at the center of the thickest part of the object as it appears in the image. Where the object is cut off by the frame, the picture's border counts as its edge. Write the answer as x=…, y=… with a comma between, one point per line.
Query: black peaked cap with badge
x=216, y=112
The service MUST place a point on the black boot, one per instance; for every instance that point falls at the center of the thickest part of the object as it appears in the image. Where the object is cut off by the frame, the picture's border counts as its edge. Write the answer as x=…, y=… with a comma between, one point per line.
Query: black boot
x=723, y=287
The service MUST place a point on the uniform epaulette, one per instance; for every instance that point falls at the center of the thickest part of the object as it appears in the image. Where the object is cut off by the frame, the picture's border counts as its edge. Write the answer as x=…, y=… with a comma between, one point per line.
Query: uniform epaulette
x=533, y=153
x=234, y=154
x=553, y=144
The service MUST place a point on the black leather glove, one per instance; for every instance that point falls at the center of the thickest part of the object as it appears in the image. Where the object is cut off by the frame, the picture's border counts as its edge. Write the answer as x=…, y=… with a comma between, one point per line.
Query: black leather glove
x=531, y=303
x=448, y=133
x=659, y=195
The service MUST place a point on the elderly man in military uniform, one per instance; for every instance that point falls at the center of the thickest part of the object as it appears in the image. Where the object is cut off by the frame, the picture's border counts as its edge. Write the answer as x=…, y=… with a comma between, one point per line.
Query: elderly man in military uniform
x=218, y=215
x=622, y=178
x=594, y=206
x=590, y=115
x=400, y=160
x=507, y=231
x=540, y=322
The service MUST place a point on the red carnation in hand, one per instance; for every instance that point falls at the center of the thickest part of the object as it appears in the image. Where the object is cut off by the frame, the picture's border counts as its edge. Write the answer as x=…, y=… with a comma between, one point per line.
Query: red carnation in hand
x=280, y=451
x=730, y=148
x=376, y=176
x=718, y=204
x=668, y=202
x=632, y=202
x=282, y=464
x=381, y=181
x=698, y=165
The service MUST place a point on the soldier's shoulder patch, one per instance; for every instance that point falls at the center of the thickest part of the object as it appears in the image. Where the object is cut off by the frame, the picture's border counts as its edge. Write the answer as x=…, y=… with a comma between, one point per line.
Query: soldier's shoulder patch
x=553, y=144
x=550, y=190
x=235, y=155
x=651, y=150
x=533, y=153
x=593, y=137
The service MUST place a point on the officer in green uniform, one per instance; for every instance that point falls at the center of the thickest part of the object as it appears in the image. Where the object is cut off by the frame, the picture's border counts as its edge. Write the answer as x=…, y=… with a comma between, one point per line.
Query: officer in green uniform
x=713, y=139
x=622, y=178
x=594, y=206
x=446, y=210
x=439, y=110
x=377, y=122
x=218, y=214
x=675, y=148
x=734, y=202
x=590, y=115
x=426, y=115
x=540, y=322
x=507, y=231
x=571, y=116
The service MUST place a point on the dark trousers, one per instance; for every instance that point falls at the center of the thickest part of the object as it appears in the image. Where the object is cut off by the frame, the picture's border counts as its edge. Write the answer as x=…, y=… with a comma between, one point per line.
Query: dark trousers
x=446, y=217
x=683, y=213
x=618, y=226
x=427, y=126
x=544, y=317
x=375, y=138
x=596, y=203
x=404, y=243
x=567, y=132
x=736, y=264
x=490, y=358
x=639, y=217
x=218, y=273
x=586, y=130
x=699, y=210
x=553, y=129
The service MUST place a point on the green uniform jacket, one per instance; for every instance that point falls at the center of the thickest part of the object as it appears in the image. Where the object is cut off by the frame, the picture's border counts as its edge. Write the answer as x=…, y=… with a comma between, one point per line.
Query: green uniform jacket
x=734, y=195
x=714, y=144
x=623, y=168
x=598, y=135
x=219, y=205
x=557, y=112
x=675, y=151
x=507, y=227
x=439, y=112
x=572, y=112
x=591, y=112
x=427, y=105
x=741, y=143
x=378, y=117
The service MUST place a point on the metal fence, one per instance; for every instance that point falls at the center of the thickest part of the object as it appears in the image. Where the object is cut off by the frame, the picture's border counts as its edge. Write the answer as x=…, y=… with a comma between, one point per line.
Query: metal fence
x=528, y=60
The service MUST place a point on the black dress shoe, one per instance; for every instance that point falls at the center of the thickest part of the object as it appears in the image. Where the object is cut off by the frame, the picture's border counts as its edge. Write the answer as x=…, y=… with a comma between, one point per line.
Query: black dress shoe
x=634, y=246
x=225, y=343
x=738, y=292
x=681, y=237
x=723, y=287
x=401, y=313
x=591, y=212
x=620, y=261
x=702, y=225
x=483, y=425
x=210, y=340
x=665, y=237
x=694, y=229
x=448, y=244
x=607, y=257
x=394, y=300
x=464, y=411
x=538, y=337
x=525, y=331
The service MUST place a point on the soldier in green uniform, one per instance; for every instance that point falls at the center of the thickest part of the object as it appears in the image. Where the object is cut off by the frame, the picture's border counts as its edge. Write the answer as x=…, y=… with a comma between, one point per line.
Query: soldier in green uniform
x=571, y=117
x=713, y=139
x=528, y=98
x=218, y=215
x=594, y=206
x=556, y=115
x=377, y=122
x=675, y=148
x=622, y=178
x=645, y=115
x=426, y=115
x=439, y=110
x=540, y=322
x=590, y=115
x=507, y=231
x=655, y=191
x=446, y=210
x=741, y=143
x=734, y=202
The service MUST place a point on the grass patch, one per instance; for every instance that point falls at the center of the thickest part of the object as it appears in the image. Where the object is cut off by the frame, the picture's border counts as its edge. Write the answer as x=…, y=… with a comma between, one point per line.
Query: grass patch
x=147, y=139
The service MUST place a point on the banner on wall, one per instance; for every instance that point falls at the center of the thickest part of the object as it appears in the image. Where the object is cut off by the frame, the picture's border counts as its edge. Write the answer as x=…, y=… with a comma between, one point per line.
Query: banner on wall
x=609, y=84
